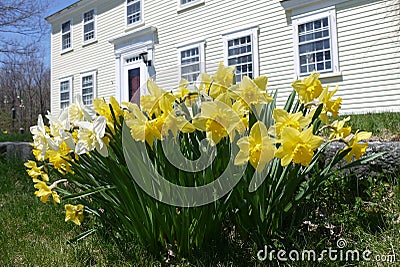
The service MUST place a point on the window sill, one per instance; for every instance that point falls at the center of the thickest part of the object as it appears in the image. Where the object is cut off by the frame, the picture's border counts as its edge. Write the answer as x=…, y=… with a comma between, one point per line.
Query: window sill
x=190, y=5
x=330, y=75
x=323, y=75
x=134, y=26
x=63, y=52
x=89, y=42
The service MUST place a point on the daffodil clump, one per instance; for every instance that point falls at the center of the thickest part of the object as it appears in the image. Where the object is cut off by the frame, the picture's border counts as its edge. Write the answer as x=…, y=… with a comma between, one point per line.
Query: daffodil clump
x=79, y=155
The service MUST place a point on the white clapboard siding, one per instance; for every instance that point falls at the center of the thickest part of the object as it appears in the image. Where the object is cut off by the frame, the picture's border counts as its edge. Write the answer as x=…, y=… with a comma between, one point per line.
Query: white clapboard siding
x=368, y=38
x=367, y=31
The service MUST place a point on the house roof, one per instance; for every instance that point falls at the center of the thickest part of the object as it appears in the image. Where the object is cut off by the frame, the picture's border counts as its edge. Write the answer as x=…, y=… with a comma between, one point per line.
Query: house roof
x=51, y=17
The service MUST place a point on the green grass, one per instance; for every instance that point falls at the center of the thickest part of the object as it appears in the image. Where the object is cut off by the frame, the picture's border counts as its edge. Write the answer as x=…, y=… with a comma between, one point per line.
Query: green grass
x=384, y=126
x=366, y=213
x=35, y=234
x=15, y=137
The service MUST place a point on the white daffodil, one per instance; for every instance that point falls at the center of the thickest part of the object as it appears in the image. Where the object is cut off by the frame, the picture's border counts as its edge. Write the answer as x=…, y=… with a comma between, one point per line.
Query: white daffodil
x=41, y=139
x=91, y=135
x=60, y=129
x=79, y=112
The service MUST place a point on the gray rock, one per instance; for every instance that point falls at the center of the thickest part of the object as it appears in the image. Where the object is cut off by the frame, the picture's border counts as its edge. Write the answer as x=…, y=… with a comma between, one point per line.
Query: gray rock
x=387, y=164
x=21, y=150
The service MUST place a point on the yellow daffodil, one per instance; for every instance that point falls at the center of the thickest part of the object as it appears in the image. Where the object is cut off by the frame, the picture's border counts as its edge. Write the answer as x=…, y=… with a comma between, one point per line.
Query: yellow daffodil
x=74, y=213
x=35, y=171
x=253, y=91
x=38, y=155
x=41, y=139
x=90, y=136
x=174, y=124
x=78, y=111
x=284, y=119
x=45, y=191
x=158, y=101
x=309, y=88
x=243, y=113
x=258, y=147
x=103, y=109
x=182, y=89
x=330, y=105
x=357, y=149
x=338, y=129
x=60, y=129
x=219, y=82
x=218, y=120
x=142, y=129
x=59, y=158
x=297, y=146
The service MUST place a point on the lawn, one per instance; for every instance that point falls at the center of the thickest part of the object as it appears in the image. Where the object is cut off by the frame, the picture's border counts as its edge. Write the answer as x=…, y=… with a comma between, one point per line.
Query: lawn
x=384, y=126
x=15, y=137
x=35, y=234
x=364, y=213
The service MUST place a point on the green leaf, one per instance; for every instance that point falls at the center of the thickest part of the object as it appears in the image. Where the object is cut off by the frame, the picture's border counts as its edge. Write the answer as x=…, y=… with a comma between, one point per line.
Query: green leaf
x=363, y=160
x=289, y=101
x=87, y=192
x=82, y=236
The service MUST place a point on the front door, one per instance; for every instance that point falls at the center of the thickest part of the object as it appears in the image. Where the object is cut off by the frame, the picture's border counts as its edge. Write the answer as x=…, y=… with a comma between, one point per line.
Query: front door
x=134, y=85
x=135, y=76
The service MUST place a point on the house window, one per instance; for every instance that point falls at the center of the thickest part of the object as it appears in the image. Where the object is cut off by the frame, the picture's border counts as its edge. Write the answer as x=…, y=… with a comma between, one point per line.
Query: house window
x=89, y=26
x=191, y=61
x=134, y=11
x=182, y=4
x=66, y=35
x=65, y=92
x=241, y=51
x=88, y=82
x=316, y=43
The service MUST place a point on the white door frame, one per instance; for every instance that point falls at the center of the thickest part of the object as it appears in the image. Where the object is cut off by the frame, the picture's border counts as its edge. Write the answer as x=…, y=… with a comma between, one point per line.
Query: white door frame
x=128, y=46
x=144, y=75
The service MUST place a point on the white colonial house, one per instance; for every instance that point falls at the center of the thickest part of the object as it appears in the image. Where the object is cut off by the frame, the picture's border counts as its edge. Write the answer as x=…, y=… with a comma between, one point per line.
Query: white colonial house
x=101, y=48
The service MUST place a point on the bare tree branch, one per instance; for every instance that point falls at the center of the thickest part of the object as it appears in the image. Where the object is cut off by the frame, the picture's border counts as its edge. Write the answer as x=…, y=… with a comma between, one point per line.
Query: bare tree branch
x=21, y=24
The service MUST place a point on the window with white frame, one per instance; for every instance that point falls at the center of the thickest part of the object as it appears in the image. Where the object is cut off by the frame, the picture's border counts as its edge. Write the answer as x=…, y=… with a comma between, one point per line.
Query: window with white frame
x=66, y=35
x=191, y=61
x=88, y=86
x=315, y=43
x=134, y=11
x=241, y=51
x=65, y=92
x=188, y=3
x=89, y=26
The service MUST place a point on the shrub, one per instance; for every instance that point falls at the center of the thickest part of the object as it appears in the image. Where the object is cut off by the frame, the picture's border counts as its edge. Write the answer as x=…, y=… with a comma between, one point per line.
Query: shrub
x=174, y=171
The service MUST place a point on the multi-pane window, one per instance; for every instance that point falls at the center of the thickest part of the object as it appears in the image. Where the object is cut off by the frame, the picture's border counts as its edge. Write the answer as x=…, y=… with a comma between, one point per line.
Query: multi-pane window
x=66, y=38
x=65, y=93
x=240, y=55
x=316, y=43
x=133, y=11
x=241, y=51
x=190, y=64
x=89, y=30
x=315, y=46
x=191, y=61
x=88, y=88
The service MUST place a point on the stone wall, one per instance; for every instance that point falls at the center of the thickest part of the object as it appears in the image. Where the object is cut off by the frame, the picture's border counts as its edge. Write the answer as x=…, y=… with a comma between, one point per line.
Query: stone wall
x=21, y=150
x=387, y=164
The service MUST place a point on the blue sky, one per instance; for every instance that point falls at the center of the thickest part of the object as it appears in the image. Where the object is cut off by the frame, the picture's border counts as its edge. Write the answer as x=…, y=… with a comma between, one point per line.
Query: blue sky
x=57, y=5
